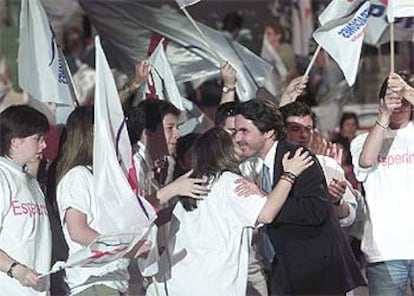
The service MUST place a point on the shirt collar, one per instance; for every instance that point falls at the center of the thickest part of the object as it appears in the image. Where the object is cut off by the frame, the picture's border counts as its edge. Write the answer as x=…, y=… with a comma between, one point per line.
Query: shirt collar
x=269, y=159
x=13, y=164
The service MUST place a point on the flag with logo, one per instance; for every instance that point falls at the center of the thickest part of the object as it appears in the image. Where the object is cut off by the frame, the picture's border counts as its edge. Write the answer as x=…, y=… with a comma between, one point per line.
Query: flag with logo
x=343, y=39
x=120, y=209
x=184, y=3
x=377, y=29
x=41, y=67
x=399, y=8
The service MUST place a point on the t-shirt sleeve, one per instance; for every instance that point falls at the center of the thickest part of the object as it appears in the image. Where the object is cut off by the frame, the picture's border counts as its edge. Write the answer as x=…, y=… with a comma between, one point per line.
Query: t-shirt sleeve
x=75, y=191
x=245, y=210
x=5, y=197
x=356, y=149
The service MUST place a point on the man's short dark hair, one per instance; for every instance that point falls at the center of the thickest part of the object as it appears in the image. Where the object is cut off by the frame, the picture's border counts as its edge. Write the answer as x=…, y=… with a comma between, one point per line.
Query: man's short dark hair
x=299, y=109
x=264, y=115
x=154, y=112
x=135, y=121
x=20, y=122
x=223, y=112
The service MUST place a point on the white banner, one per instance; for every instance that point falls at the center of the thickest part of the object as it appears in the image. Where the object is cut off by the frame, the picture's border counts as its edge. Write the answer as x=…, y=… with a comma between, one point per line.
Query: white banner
x=163, y=78
x=399, y=8
x=343, y=41
x=128, y=27
x=40, y=66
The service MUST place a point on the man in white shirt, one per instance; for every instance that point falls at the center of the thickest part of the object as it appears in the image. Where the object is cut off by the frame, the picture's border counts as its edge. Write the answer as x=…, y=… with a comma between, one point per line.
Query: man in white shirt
x=300, y=125
x=383, y=161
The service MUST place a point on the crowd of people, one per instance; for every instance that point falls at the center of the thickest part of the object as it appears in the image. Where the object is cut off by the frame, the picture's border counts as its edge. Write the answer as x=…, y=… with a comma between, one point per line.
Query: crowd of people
x=259, y=204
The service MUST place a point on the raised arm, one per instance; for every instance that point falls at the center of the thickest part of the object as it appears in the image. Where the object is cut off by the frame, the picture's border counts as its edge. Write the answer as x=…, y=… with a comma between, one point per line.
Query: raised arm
x=293, y=90
x=376, y=136
x=142, y=71
x=228, y=75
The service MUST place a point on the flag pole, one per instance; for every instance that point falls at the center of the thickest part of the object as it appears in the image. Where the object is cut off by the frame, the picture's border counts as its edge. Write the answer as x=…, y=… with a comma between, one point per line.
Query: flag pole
x=312, y=61
x=73, y=91
x=392, y=48
x=206, y=40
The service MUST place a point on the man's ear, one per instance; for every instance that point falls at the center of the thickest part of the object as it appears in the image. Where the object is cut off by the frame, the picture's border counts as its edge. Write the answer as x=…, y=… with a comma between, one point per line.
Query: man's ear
x=269, y=134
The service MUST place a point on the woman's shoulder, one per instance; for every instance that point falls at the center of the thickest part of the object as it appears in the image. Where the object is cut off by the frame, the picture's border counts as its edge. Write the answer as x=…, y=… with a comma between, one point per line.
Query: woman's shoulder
x=78, y=172
x=228, y=177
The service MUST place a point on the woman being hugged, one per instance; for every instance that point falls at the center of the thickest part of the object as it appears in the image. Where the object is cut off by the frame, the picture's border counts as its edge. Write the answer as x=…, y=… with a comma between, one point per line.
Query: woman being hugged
x=25, y=236
x=211, y=240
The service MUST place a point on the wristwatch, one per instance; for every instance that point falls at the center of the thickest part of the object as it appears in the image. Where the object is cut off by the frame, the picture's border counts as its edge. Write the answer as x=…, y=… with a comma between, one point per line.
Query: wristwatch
x=226, y=89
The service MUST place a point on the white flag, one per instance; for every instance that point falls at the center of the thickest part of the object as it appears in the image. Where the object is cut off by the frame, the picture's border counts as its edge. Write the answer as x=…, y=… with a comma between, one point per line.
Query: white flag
x=343, y=41
x=184, y=3
x=41, y=67
x=338, y=9
x=119, y=22
x=120, y=209
x=163, y=77
x=399, y=8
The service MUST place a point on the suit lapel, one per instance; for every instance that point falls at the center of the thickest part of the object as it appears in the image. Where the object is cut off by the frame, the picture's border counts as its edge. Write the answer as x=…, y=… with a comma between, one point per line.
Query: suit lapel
x=277, y=167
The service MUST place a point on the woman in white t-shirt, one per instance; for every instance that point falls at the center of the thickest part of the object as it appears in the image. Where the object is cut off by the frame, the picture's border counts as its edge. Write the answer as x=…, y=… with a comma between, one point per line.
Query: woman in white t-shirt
x=25, y=236
x=210, y=238
x=78, y=208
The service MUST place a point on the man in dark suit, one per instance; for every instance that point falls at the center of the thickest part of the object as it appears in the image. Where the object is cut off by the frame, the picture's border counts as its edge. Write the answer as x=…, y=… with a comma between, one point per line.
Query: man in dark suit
x=312, y=254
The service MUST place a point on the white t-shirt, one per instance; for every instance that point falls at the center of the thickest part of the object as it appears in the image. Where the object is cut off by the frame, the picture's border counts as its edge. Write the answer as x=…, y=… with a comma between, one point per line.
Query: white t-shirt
x=75, y=190
x=389, y=186
x=24, y=226
x=210, y=248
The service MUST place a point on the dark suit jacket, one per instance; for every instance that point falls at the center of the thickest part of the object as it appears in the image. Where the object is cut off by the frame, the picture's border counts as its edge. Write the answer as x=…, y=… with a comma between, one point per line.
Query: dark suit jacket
x=312, y=254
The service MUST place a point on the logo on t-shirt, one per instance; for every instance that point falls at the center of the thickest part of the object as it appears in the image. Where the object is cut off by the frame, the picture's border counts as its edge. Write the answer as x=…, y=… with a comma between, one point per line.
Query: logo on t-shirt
x=28, y=209
x=396, y=159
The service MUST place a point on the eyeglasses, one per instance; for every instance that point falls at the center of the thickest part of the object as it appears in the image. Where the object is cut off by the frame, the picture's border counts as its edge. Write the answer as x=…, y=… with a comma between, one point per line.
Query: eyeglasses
x=296, y=128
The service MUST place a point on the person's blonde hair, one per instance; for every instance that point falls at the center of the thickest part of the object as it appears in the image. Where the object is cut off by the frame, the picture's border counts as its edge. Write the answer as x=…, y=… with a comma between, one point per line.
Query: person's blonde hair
x=77, y=146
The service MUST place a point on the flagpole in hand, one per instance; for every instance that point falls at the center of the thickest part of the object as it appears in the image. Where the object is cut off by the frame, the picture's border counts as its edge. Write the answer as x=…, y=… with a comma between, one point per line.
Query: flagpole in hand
x=312, y=61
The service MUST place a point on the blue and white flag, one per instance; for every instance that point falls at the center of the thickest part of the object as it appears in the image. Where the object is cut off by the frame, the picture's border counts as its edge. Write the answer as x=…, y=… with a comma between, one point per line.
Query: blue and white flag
x=343, y=39
x=41, y=67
